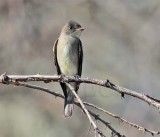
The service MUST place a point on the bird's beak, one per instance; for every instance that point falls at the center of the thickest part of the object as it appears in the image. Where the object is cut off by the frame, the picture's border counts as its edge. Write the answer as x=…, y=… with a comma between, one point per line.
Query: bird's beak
x=80, y=29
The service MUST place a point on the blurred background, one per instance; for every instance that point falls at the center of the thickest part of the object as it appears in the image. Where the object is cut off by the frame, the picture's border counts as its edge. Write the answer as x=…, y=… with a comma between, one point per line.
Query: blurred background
x=120, y=43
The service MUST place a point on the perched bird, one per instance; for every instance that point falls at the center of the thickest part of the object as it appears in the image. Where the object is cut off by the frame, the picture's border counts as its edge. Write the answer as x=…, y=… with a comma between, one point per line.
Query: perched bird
x=68, y=58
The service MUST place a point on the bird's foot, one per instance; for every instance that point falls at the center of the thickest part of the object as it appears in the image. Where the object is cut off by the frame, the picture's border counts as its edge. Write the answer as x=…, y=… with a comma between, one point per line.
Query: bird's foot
x=76, y=76
x=62, y=78
x=62, y=75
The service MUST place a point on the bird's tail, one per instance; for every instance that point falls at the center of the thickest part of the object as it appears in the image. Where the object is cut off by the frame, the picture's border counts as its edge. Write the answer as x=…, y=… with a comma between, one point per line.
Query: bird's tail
x=69, y=105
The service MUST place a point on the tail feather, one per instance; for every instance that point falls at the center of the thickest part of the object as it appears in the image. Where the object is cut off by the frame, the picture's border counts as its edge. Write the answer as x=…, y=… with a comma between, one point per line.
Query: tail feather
x=68, y=106
x=68, y=110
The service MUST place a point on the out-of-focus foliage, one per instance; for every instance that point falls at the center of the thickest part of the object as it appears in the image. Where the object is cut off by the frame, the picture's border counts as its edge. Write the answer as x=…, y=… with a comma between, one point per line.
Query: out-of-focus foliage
x=120, y=42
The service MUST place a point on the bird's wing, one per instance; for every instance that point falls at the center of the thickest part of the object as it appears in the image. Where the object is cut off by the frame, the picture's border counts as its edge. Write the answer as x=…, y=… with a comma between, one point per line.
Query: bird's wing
x=55, y=57
x=57, y=66
x=80, y=58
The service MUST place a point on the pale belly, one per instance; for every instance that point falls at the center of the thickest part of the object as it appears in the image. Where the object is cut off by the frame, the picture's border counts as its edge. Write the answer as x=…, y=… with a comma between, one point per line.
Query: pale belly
x=67, y=56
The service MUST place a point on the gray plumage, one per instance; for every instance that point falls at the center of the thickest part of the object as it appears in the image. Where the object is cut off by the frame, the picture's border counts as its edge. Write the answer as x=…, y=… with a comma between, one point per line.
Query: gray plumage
x=68, y=58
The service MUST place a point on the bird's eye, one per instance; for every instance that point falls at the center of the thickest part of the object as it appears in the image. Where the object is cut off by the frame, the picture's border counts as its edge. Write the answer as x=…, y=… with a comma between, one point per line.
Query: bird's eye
x=70, y=27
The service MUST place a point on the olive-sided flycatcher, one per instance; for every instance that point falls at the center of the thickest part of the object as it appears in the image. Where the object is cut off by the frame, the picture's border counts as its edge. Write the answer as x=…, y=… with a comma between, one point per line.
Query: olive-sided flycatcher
x=68, y=57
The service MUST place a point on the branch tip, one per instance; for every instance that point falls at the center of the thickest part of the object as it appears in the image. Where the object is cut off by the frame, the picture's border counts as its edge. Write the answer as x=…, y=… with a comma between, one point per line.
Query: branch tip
x=5, y=79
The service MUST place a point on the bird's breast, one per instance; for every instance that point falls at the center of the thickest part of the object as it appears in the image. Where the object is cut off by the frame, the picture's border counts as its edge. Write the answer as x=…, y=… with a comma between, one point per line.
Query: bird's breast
x=67, y=55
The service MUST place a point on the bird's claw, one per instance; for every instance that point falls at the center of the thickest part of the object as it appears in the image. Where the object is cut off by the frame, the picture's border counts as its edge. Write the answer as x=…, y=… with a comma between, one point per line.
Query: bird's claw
x=77, y=76
x=63, y=78
x=62, y=75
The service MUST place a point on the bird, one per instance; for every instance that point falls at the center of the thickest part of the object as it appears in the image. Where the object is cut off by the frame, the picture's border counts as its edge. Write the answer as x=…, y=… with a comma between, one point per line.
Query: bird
x=68, y=59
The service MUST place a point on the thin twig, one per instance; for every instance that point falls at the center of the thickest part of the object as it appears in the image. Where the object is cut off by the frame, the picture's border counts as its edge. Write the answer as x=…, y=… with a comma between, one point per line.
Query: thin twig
x=85, y=110
x=106, y=124
x=140, y=128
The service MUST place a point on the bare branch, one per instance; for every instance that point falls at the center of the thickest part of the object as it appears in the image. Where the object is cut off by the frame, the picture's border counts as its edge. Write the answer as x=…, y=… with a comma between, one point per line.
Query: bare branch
x=105, y=83
x=86, y=111
x=56, y=95
x=106, y=124
x=14, y=80
x=140, y=128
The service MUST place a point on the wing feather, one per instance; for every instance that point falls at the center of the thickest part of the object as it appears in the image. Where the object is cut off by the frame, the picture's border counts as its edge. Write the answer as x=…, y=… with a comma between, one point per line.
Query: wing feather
x=57, y=67
x=55, y=57
x=80, y=58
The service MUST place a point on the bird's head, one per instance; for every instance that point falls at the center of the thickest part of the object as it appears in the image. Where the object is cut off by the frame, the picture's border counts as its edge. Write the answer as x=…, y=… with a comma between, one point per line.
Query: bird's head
x=72, y=28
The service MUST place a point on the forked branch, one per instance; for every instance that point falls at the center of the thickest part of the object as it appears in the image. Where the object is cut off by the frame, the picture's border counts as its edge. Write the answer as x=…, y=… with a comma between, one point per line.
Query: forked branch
x=105, y=83
x=18, y=79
